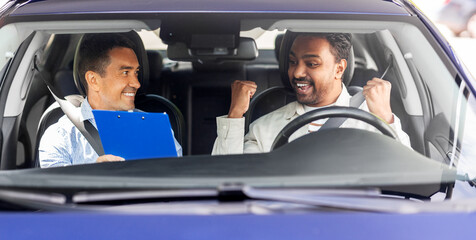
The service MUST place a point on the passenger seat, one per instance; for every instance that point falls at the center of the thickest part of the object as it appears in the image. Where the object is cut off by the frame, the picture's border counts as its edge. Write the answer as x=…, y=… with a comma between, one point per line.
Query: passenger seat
x=66, y=85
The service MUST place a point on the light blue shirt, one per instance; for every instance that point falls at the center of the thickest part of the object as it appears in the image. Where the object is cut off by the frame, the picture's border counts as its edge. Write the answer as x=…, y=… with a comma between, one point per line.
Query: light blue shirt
x=62, y=144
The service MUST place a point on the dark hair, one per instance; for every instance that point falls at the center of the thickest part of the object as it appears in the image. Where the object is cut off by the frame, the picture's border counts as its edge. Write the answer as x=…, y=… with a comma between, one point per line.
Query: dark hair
x=340, y=43
x=94, y=52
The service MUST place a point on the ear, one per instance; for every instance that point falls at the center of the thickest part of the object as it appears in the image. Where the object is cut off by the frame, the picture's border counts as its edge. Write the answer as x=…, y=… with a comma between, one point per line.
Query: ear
x=93, y=79
x=340, y=68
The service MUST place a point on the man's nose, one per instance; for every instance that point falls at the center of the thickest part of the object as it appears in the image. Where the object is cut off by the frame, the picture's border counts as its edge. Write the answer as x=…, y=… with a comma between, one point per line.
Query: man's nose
x=299, y=71
x=134, y=82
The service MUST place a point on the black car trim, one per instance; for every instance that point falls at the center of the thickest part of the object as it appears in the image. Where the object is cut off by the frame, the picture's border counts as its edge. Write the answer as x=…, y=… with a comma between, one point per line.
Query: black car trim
x=10, y=129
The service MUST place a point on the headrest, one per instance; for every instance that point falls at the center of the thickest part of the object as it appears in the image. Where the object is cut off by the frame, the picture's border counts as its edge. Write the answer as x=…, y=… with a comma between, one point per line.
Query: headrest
x=349, y=71
x=277, y=45
x=155, y=64
x=139, y=51
x=63, y=82
x=359, y=54
x=286, y=45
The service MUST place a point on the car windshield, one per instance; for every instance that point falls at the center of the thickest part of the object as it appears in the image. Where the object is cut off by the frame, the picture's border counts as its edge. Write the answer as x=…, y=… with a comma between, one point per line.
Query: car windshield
x=424, y=149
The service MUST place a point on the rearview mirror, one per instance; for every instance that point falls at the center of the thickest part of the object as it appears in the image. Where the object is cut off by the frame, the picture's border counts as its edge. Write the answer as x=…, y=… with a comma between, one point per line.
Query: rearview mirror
x=245, y=51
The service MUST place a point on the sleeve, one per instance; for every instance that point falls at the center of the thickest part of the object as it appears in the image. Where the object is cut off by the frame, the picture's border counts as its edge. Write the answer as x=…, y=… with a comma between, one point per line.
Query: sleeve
x=55, y=148
x=402, y=136
x=230, y=136
x=396, y=125
x=253, y=143
x=178, y=147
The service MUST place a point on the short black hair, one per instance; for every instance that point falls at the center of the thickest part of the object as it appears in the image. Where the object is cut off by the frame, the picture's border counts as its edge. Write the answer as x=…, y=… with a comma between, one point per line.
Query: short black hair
x=94, y=52
x=341, y=43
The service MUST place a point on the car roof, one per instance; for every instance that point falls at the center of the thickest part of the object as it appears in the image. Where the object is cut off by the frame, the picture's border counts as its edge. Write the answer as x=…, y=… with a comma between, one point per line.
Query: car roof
x=43, y=7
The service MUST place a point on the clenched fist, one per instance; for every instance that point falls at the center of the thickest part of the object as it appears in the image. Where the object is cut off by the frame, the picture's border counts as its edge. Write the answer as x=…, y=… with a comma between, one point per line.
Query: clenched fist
x=241, y=93
x=377, y=95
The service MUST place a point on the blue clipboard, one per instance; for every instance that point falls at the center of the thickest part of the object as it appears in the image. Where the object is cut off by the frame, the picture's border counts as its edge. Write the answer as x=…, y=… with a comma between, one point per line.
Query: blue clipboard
x=135, y=135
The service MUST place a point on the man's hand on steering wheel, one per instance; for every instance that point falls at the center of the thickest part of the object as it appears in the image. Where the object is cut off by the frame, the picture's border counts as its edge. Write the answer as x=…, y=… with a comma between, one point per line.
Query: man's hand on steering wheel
x=329, y=112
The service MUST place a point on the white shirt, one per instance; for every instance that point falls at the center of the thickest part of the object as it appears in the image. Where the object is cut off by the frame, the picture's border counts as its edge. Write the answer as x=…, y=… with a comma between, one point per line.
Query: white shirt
x=263, y=131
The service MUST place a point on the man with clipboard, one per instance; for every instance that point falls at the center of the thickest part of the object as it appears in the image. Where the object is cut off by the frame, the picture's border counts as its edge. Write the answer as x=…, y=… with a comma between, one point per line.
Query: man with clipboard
x=108, y=68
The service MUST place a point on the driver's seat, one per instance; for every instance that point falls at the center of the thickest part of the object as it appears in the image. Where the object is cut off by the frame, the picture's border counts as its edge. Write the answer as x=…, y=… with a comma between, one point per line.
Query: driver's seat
x=276, y=97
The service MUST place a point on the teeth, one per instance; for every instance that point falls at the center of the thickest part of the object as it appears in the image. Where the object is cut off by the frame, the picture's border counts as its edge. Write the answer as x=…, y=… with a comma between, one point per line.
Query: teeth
x=302, y=84
x=129, y=94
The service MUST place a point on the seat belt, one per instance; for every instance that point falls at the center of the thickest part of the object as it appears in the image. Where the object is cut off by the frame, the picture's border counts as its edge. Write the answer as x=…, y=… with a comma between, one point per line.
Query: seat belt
x=85, y=127
x=73, y=113
x=355, y=101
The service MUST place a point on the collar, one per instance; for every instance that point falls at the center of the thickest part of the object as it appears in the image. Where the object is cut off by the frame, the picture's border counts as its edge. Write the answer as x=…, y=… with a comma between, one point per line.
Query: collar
x=87, y=112
x=297, y=108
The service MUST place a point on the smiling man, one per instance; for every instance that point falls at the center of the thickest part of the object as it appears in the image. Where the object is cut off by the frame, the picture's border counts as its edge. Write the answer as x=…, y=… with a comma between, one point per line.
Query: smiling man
x=316, y=65
x=108, y=69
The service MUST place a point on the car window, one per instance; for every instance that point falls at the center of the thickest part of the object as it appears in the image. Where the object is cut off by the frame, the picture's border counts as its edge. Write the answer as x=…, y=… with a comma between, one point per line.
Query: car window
x=465, y=163
x=430, y=102
x=372, y=46
x=382, y=42
x=151, y=40
x=8, y=44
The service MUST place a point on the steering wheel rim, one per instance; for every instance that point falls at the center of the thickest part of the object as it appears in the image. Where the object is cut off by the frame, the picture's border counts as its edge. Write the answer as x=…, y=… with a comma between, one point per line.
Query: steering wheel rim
x=329, y=112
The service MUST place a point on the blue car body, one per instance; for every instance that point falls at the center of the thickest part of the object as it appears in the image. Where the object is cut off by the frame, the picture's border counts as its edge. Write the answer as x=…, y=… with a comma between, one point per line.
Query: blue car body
x=309, y=226
x=303, y=225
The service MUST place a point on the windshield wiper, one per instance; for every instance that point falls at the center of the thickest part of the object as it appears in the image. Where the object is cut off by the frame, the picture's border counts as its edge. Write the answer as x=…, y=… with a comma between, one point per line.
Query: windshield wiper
x=368, y=200
x=348, y=199
x=14, y=195
x=31, y=199
x=92, y=201
x=88, y=197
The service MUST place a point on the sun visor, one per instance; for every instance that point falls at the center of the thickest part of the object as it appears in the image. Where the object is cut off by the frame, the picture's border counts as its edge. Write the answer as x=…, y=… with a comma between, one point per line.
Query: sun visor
x=213, y=48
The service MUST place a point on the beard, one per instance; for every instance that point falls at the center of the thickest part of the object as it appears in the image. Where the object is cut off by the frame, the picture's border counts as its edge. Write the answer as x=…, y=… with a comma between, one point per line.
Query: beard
x=316, y=95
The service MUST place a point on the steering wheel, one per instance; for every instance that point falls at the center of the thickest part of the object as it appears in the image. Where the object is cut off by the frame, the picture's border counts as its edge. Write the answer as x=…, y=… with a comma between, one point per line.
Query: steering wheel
x=329, y=112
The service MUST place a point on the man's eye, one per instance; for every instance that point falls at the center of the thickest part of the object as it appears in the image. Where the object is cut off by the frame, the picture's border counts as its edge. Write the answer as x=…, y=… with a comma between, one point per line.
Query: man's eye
x=312, y=65
x=292, y=62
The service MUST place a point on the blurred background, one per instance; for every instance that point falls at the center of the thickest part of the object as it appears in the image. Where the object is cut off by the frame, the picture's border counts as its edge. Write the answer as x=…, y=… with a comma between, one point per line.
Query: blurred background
x=456, y=20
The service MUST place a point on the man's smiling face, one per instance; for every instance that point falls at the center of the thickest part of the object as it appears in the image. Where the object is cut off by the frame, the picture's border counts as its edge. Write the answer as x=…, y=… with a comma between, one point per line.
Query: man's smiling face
x=118, y=86
x=313, y=71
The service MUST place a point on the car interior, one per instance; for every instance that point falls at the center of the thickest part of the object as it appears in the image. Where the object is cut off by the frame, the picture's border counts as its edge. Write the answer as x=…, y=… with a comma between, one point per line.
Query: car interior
x=192, y=84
